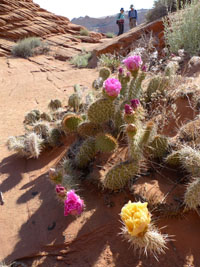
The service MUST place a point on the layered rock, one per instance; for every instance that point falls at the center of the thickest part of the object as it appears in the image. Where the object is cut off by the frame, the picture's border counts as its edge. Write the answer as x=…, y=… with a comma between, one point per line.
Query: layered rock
x=24, y=18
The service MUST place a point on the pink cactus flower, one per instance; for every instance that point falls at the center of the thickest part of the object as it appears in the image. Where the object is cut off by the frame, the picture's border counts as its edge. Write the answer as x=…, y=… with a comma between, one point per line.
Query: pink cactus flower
x=112, y=87
x=128, y=109
x=135, y=103
x=60, y=190
x=73, y=204
x=133, y=63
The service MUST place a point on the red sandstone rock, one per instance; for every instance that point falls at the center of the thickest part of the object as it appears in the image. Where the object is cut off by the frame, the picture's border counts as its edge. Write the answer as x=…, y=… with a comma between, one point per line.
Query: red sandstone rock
x=123, y=43
x=24, y=18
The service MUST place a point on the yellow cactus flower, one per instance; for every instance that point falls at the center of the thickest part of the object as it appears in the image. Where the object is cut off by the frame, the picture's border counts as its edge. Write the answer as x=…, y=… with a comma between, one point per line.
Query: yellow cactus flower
x=136, y=217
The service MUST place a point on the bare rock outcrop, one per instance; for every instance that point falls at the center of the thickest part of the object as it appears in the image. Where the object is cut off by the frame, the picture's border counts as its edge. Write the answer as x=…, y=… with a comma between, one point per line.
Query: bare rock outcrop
x=24, y=18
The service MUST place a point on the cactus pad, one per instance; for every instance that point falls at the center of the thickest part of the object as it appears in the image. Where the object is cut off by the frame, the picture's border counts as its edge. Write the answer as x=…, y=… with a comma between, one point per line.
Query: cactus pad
x=101, y=111
x=71, y=122
x=117, y=177
x=105, y=143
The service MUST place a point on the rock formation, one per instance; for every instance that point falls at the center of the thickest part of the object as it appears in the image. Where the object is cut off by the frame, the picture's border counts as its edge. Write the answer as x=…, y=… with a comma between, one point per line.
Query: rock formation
x=24, y=18
x=126, y=42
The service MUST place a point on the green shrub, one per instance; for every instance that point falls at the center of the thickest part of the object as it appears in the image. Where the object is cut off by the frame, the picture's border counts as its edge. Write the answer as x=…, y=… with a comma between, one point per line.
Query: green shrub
x=160, y=9
x=110, y=61
x=81, y=60
x=110, y=35
x=84, y=32
x=182, y=29
x=27, y=47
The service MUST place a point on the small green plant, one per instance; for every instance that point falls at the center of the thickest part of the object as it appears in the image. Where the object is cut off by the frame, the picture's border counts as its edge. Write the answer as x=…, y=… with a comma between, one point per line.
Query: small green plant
x=182, y=29
x=160, y=9
x=110, y=35
x=84, y=32
x=81, y=60
x=27, y=47
x=110, y=61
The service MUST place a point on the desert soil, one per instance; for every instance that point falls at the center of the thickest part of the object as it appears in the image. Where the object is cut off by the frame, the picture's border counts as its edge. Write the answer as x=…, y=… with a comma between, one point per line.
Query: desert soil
x=33, y=228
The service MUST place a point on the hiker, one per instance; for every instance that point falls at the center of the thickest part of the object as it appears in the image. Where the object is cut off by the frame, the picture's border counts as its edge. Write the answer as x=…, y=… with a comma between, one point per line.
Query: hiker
x=132, y=15
x=120, y=21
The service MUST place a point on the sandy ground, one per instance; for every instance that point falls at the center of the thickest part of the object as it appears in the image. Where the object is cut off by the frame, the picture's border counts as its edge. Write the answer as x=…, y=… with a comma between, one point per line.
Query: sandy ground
x=32, y=226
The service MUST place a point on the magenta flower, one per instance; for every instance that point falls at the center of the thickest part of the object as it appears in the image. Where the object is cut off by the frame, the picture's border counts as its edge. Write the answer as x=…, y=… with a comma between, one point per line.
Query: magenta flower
x=135, y=103
x=73, y=204
x=121, y=70
x=144, y=68
x=60, y=190
x=133, y=63
x=128, y=74
x=128, y=109
x=112, y=87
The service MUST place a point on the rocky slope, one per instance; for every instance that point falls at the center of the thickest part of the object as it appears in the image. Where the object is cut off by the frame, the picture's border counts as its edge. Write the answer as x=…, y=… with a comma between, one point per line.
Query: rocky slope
x=24, y=18
x=108, y=23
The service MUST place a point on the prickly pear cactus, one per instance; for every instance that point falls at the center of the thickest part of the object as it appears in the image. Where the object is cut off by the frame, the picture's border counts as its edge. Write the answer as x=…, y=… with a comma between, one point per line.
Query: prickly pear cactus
x=55, y=136
x=135, y=88
x=117, y=177
x=71, y=122
x=157, y=83
x=104, y=73
x=105, y=143
x=32, y=117
x=54, y=104
x=173, y=159
x=42, y=128
x=97, y=83
x=101, y=111
x=86, y=153
x=159, y=147
x=46, y=117
x=74, y=101
x=192, y=195
x=86, y=129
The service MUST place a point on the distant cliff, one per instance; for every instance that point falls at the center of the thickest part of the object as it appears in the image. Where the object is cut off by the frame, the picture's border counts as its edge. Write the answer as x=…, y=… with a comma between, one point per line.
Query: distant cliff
x=107, y=24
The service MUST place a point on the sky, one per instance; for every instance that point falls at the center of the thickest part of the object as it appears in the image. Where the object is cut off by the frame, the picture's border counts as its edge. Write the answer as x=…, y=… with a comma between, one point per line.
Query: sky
x=91, y=8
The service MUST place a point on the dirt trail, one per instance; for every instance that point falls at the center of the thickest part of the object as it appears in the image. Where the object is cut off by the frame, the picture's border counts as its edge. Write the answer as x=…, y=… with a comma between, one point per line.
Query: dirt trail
x=32, y=226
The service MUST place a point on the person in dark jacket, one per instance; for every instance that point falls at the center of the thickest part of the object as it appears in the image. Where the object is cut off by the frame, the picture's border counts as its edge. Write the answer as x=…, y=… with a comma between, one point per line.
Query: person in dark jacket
x=120, y=21
x=132, y=15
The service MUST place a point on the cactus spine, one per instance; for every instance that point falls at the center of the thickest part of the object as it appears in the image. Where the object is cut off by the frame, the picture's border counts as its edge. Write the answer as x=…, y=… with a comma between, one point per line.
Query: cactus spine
x=192, y=195
x=71, y=122
x=135, y=89
x=101, y=111
x=54, y=104
x=105, y=143
x=118, y=176
x=86, y=153
x=158, y=147
x=152, y=241
x=86, y=129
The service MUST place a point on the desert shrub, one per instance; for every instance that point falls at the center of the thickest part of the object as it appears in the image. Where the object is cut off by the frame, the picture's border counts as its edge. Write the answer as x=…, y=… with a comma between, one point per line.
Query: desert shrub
x=110, y=61
x=182, y=29
x=81, y=60
x=110, y=35
x=160, y=9
x=28, y=47
x=84, y=32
